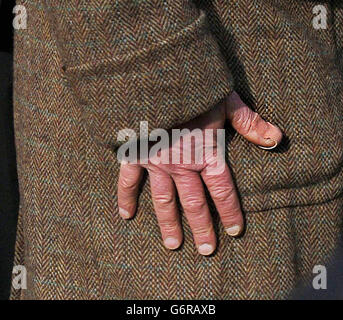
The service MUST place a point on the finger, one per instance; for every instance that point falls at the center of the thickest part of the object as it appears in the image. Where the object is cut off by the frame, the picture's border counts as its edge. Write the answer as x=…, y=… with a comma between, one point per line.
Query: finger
x=128, y=187
x=192, y=197
x=164, y=199
x=250, y=125
x=224, y=195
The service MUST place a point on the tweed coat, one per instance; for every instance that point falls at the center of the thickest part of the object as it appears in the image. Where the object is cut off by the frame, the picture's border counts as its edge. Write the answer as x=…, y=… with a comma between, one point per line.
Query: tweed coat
x=85, y=69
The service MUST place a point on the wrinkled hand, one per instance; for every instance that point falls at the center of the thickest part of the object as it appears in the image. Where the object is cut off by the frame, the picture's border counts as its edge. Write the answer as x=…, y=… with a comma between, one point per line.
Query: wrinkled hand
x=188, y=179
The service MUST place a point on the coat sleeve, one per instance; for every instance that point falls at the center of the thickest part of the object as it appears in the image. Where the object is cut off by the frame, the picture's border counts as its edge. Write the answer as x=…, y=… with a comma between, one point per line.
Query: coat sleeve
x=132, y=60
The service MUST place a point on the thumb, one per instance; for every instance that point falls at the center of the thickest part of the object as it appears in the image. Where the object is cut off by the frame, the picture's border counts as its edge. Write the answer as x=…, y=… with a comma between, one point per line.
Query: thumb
x=250, y=125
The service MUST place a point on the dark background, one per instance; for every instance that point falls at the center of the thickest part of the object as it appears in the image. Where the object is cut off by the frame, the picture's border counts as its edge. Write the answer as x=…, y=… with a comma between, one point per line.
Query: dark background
x=9, y=199
x=6, y=7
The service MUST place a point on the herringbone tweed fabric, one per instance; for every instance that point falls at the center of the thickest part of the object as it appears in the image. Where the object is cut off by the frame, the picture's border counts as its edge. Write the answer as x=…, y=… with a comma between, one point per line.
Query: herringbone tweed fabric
x=86, y=69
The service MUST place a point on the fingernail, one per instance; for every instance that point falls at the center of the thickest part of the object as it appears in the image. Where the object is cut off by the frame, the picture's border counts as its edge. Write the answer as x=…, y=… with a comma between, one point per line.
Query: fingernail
x=233, y=231
x=171, y=243
x=269, y=148
x=124, y=214
x=205, y=249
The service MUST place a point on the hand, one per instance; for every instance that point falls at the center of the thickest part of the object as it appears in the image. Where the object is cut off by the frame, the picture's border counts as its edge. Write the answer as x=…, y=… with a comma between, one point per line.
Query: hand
x=188, y=178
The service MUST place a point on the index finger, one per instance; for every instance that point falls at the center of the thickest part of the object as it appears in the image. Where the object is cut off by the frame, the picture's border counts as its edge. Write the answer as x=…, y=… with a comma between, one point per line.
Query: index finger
x=128, y=187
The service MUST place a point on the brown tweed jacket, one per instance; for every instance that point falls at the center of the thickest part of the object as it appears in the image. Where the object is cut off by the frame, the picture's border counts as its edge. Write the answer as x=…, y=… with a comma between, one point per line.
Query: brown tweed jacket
x=84, y=69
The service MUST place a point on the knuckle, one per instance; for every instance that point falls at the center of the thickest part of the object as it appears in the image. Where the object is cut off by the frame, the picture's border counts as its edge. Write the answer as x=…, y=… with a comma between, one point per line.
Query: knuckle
x=255, y=119
x=166, y=199
x=128, y=184
x=193, y=205
x=201, y=224
x=169, y=227
x=222, y=194
x=232, y=217
x=202, y=230
x=245, y=120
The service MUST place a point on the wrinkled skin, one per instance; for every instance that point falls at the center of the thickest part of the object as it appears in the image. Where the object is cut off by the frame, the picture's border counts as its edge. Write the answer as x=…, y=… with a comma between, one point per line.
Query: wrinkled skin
x=187, y=180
